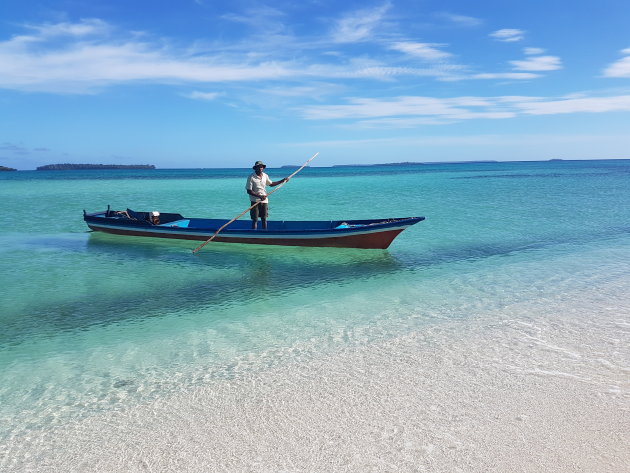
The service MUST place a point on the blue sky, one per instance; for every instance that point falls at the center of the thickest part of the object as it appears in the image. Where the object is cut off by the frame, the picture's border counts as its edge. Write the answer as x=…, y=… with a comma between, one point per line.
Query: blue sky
x=206, y=83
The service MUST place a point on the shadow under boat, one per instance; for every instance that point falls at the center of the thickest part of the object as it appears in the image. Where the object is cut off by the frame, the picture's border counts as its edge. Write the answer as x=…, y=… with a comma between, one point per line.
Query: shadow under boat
x=220, y=276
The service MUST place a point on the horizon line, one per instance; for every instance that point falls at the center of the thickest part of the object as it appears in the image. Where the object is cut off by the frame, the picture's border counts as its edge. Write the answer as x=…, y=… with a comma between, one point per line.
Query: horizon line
x=399, y=163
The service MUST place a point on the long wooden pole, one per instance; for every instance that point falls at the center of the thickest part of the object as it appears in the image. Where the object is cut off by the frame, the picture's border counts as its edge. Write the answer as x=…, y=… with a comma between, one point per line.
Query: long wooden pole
x=252, y=206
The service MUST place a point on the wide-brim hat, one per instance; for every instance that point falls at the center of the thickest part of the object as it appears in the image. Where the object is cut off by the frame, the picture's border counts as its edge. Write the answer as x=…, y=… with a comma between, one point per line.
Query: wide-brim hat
x=259, y=163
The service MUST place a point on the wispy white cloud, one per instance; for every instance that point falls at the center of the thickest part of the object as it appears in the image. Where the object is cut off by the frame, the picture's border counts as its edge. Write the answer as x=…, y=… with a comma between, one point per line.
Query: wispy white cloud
x=426, y=51
x=84, y=27
x=359, y=25
x=83, y=67
x=87, y=56
x=516, y=99
x=538, y=63
x=458, y=108
x=87, y=64
x=514, y=141
x=413, y=122
x=508, y=35
x=618, y=103
x=197, y=95
x=377, y=71
x=312, y=91
x=262, y=17
x=461, y=20
x=400, y=123
x=533, y=51
x=408, y=111
x=71, y=65
x=620, y=68
x=90, y=60
x=505, y=75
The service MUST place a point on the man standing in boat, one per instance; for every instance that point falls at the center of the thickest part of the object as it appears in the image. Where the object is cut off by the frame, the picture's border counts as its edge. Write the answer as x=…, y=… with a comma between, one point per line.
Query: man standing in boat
x=257, y=183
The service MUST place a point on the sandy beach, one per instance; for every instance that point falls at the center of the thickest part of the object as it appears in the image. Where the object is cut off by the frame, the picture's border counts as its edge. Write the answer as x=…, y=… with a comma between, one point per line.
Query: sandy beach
x=531, y=388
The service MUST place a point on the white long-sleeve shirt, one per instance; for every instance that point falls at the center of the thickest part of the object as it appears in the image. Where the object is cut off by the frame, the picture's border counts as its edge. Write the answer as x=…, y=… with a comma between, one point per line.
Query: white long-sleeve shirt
x=258, y=185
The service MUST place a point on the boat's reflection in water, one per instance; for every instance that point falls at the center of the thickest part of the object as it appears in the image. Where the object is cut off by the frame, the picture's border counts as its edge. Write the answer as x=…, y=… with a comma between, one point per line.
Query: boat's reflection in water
x=109, y=279
x=169, y=276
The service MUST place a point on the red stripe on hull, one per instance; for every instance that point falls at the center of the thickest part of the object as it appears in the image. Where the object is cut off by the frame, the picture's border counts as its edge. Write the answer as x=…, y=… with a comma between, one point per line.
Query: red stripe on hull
x=376, y=240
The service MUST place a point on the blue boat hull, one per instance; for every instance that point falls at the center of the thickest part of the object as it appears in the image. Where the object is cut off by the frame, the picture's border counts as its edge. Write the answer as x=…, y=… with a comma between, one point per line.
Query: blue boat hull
x=369, y=234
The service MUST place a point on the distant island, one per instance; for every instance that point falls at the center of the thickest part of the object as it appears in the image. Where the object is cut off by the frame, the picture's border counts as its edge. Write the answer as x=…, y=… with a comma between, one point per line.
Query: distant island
x=4, y=168
x=68, y=167
x=410, y=163
x=406, y=163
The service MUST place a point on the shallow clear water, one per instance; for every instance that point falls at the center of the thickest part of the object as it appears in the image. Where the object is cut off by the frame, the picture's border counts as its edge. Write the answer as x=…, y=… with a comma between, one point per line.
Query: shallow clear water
x=95, y=322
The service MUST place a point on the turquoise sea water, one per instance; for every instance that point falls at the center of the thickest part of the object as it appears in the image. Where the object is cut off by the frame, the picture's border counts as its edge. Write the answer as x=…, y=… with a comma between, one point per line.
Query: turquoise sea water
x=94, y=322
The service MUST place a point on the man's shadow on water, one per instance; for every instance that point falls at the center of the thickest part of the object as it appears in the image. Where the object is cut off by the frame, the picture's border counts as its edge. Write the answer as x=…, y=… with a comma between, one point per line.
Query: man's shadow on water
x=170, y=279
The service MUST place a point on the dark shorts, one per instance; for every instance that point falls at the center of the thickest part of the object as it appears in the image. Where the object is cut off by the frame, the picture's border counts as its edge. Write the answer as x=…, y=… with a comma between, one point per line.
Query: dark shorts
x=260, y=211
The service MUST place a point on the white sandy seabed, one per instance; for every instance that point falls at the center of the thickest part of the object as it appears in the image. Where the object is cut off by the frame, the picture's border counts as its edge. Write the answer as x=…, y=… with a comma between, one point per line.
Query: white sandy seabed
x=541, y=387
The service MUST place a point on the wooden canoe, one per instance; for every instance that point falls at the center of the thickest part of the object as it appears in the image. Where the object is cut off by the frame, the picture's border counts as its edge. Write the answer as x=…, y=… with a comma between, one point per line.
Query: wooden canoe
x=369, y=234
